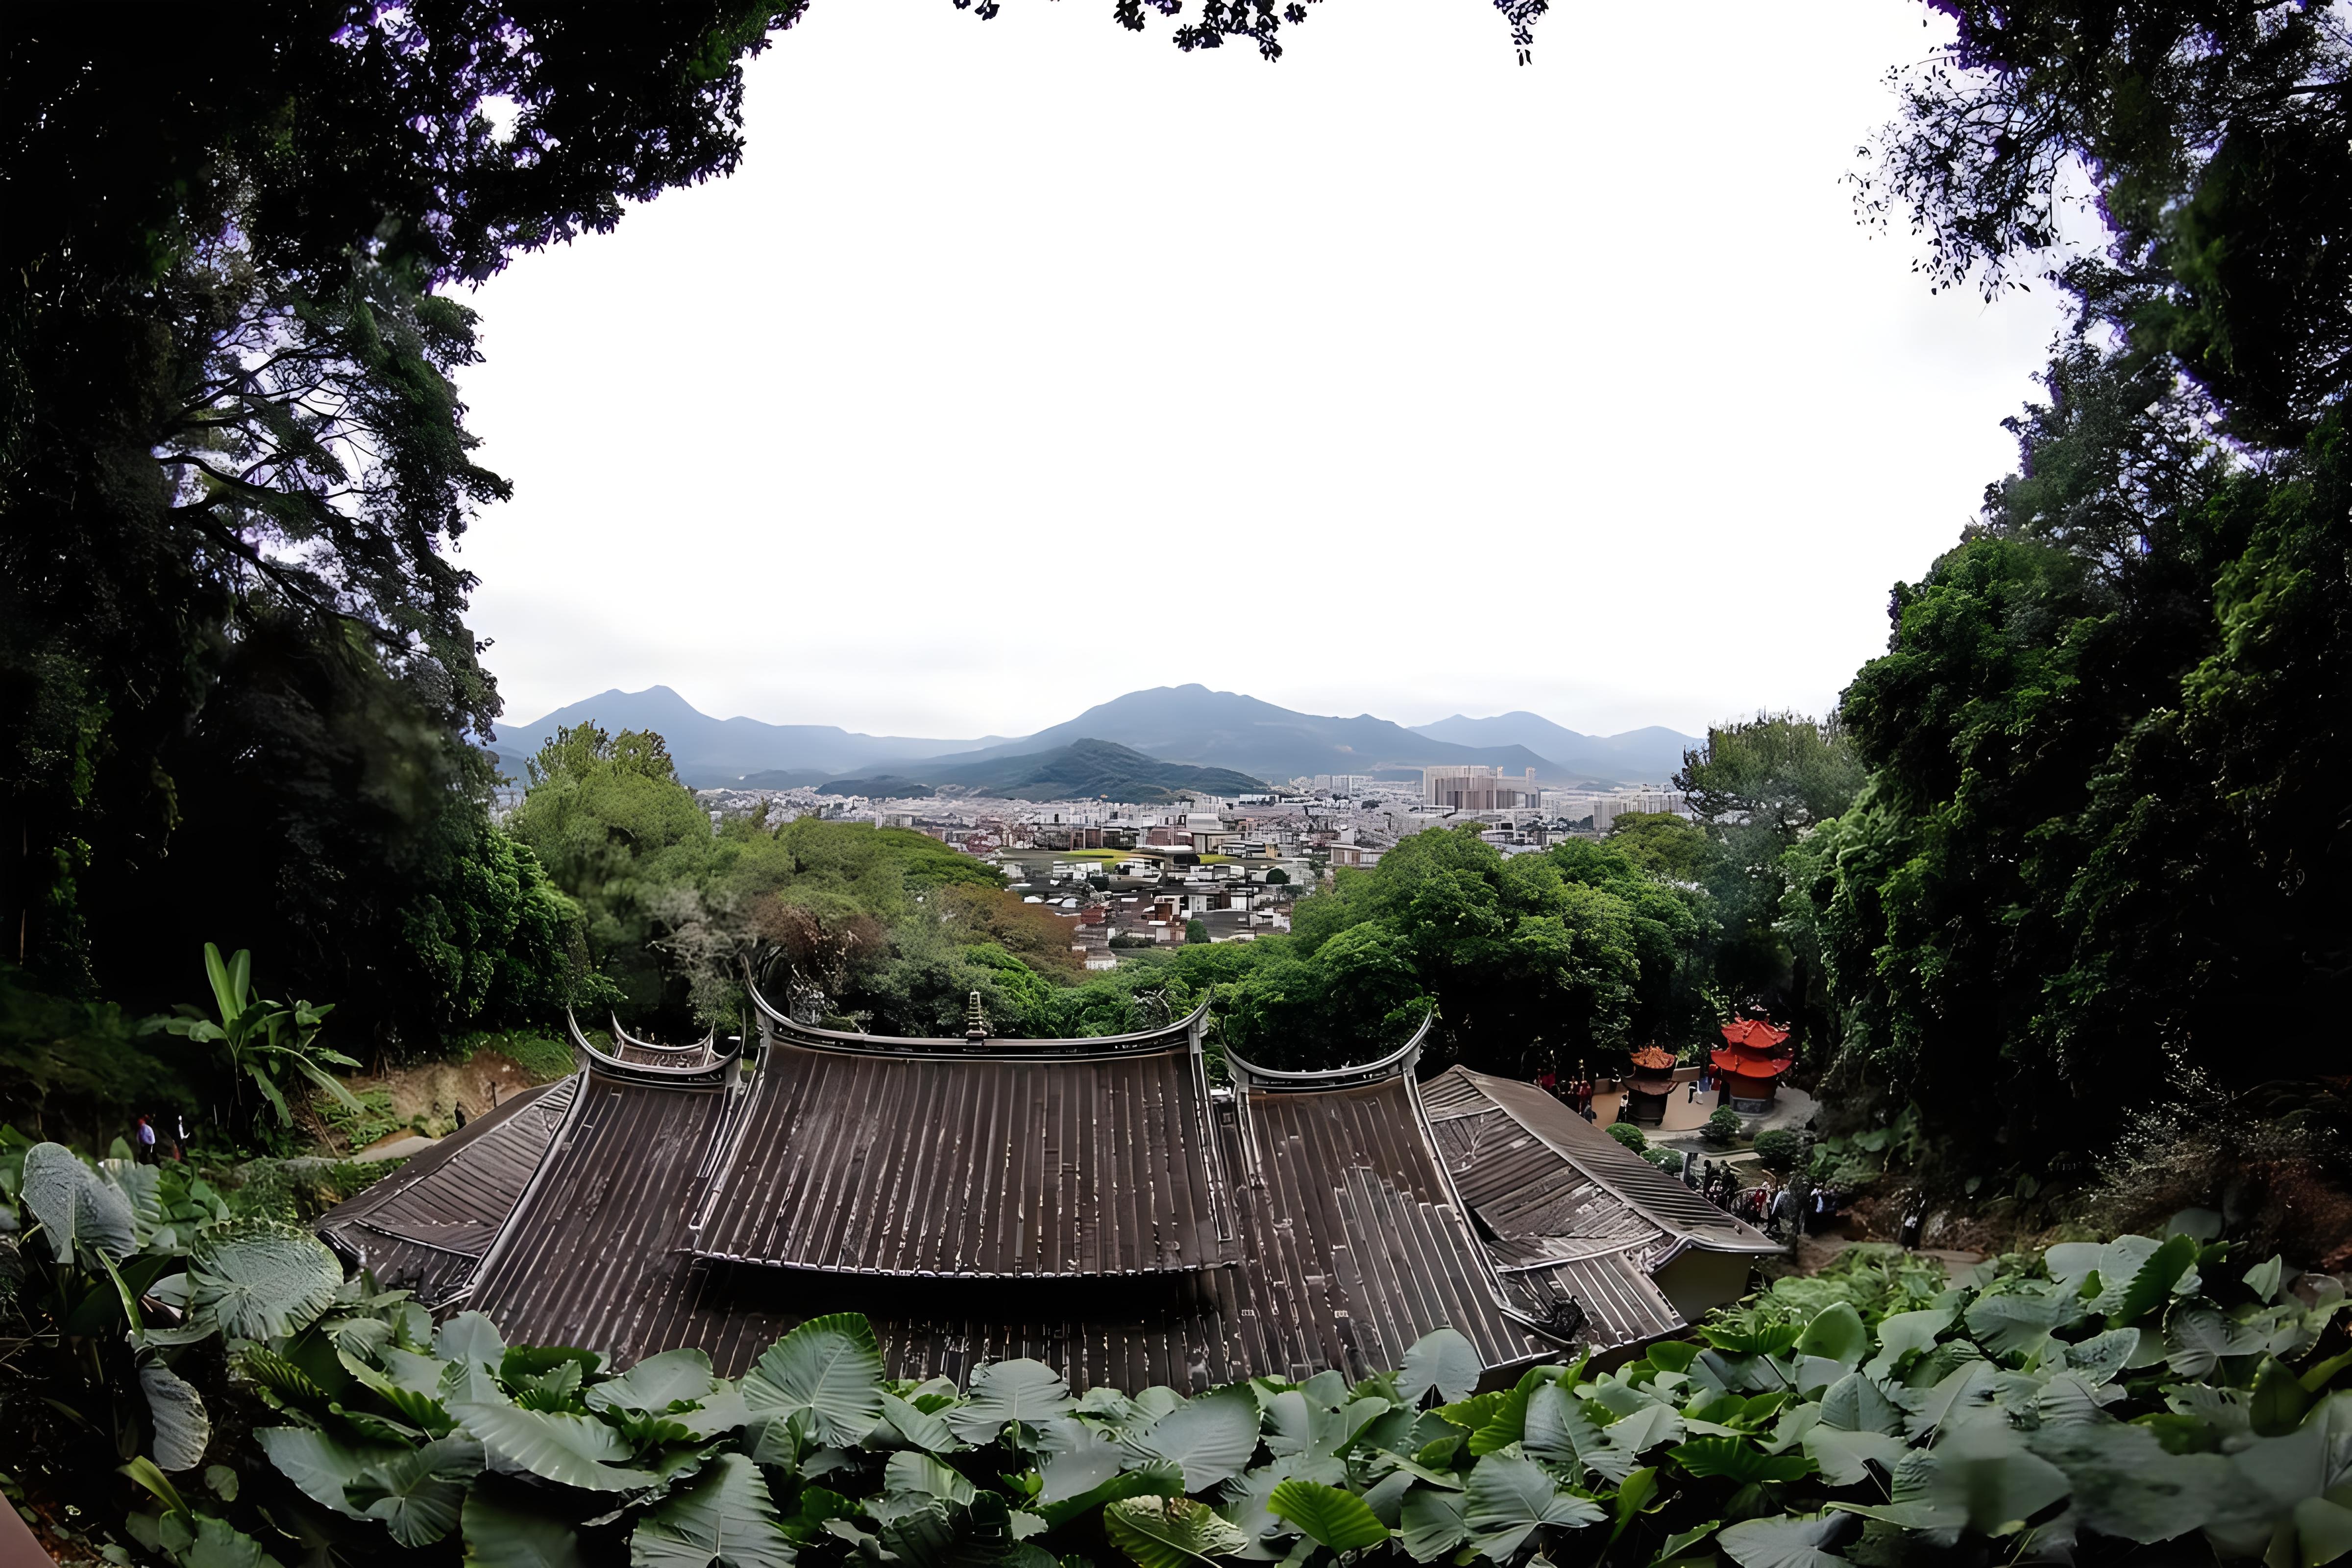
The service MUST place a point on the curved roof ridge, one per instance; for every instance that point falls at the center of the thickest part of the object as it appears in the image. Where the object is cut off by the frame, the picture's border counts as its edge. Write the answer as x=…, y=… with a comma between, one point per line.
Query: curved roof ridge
x=708, y=1071
x=1396, y=1061
x=708, y=1041
x=1176, y=1032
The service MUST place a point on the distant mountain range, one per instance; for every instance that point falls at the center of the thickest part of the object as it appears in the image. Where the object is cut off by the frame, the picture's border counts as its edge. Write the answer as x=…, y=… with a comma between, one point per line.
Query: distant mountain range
x=1180, y=724
x=1083, y=770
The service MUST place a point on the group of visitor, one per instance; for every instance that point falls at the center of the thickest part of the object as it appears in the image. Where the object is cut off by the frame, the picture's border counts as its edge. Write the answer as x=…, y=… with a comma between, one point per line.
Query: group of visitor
x=144, y=1139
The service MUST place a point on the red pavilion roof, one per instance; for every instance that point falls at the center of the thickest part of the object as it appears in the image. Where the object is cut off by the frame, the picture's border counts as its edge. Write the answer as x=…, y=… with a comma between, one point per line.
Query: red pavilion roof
x=1738, y=1066
x=1654, y=1058
x=1753, y=1034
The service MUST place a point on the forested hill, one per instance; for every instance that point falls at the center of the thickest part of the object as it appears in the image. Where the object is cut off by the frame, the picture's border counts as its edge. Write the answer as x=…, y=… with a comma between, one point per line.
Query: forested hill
x=1083, y=770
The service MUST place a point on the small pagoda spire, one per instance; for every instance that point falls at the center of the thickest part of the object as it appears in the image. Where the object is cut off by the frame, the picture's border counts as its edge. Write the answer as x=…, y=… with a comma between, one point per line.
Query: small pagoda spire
x=975, y=1020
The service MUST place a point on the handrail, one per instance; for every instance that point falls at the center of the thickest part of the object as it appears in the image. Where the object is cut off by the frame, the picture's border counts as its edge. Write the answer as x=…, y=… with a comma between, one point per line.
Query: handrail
x=1280, y=1078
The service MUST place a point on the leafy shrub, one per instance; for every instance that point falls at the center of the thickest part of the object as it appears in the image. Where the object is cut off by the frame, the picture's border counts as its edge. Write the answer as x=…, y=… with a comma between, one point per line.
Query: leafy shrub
x=1722, y=1126
x=1667, y=1160
x=1777, y=1149
x=1631, y=1136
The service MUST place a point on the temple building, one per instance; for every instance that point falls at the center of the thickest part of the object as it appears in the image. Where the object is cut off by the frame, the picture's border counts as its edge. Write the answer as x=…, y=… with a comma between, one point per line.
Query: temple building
x=1753, y=1056
x=1101, y=1204
x=1650, y=1085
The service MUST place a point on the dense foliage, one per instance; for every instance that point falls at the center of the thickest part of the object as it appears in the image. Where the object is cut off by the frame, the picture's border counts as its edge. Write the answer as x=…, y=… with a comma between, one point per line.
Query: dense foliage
x=236, y=682
x=2075, y=1406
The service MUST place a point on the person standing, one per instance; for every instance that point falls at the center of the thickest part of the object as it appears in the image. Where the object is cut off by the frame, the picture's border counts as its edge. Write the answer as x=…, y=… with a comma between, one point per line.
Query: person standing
x=145, y=1132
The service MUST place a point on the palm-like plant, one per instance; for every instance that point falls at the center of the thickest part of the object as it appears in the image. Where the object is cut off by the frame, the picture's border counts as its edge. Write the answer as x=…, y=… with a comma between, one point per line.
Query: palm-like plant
x=261, y=1039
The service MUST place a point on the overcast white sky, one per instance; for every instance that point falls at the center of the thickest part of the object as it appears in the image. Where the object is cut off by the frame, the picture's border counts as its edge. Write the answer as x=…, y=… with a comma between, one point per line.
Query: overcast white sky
x=1028, y=362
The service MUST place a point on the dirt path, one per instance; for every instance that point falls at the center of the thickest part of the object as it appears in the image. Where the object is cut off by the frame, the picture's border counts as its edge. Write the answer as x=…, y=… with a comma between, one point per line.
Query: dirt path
x=436, y=1090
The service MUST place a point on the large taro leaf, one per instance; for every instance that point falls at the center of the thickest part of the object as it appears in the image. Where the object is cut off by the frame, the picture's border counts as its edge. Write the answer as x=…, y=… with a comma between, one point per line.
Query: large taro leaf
x=1505, y=1499
x=910, y=1470
x=1901, y=1333
x=2125, y=1485
x=2102, y=1358
x=2020, y=1322
x=1338, y=1520
x=1837, y=1334
x=1247, y=1498
x=1784, y=1542
x=259, y=1279
x=76, y=1208
x=320, y=1465
x=507, y=1525
x=471, y=1339
x=1845, y=1457
x=1985, y=1473
x=1026, y=1391
x=1966, y=1388
x=1443, y=1360
x=2196, y=1338
x=219, y=1545
x=723, y=1513
x=1170, y=1532
x=1429, y=1525
x=571, y=1450
x=1740, y=1461
x=1857, y=1403
x=1212, y=1437
x=1153, y=1479
x=923, y=1428
x=1077, y=1459
x=418, y=1494
x=176, y=1413
x=658, y=1383
x=2154, y=1280
x=829, y=1367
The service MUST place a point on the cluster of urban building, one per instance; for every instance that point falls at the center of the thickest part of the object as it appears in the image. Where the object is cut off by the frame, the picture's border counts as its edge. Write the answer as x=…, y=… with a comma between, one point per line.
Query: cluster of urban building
x=1131, y=875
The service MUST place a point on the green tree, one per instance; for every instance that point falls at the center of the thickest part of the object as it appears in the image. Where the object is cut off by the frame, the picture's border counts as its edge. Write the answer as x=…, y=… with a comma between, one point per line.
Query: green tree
x=1664, y=843
x=230, y=439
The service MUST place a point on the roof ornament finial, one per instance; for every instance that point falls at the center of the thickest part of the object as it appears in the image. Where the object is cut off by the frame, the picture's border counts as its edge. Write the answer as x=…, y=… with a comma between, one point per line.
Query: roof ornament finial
x=975, y=1021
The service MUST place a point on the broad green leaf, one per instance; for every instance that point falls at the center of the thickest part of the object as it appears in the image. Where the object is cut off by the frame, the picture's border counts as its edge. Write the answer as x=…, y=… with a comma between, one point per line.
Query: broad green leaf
x=723, y=1513
x=1740, y=1461
x=911, y=1470
x=571, y=1450
x=506, y=1527
x=76, y=1208
x=921, y=1427
x=1838, y=1335
x=1643, y=1429
x=1248, y=1499
x=658, y=1383
x=1506, y=1499
x=1777, y=1541
x=471, y=1339
x=176, y=1413
x=2153, y=1283
x=1429, y=1524
x=2067, y=1398
x=1212, y=1437
x=259, y=1279
x=418, y=1494
x=2020, y=1322
x=2126, y=1485
x=321, y=1466
x=1154, y=1479
x=1169, y=1532
x=2196, y=1338
x=1856, y=1404
x=1026, y=1391
x=1843, y=1457
x=1507, y=1423
x=1965, y=1389
x=2322, y=1530
x=1338, y=1520
x=1985, y=1473
x=1683, y=1540
x=1901, y=1333
x=219, y=1545
x=2102, y=1358
x=2266, y=1278
x=1443, y=1360
x=828, y=1367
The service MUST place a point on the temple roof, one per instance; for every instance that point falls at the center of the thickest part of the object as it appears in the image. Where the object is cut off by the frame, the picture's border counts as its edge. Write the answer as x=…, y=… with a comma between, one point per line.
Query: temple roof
x=1657, y=1058
x=1753, y=1034
x=1741, y=1066
x=1094, y=1204
x=425, y=1226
